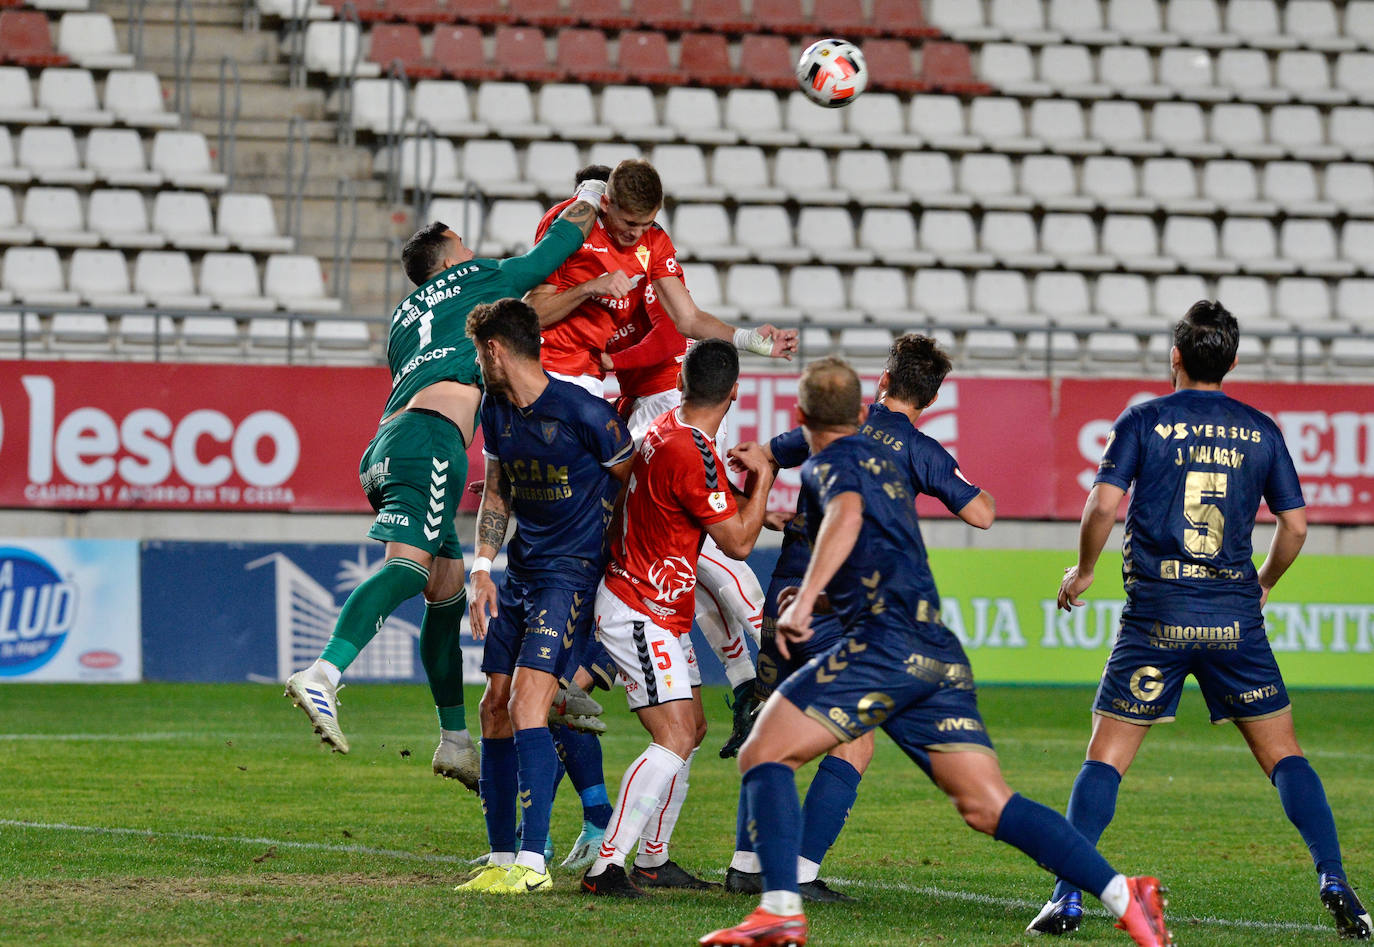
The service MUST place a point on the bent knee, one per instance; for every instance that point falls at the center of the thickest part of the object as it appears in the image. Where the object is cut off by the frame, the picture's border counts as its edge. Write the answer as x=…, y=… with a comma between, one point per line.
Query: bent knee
x=980, y=814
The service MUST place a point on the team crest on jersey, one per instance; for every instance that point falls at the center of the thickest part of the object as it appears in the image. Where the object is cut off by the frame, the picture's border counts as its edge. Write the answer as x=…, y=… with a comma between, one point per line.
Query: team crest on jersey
x=717, y=501
x=548, y=430
x=642, y=255
x=674, y=577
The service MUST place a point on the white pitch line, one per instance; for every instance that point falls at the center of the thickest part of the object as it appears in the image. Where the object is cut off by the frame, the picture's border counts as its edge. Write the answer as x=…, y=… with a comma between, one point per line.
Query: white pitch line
x=926, y=890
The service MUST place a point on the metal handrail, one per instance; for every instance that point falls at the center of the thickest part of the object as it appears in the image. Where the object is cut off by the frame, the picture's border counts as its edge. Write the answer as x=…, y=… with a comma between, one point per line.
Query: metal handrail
x=295, y=43
x=342, y=281
x=228, y=120
x=393, y=255
x=294, y=194
x=343, y=83
x=184, y=22
x=424, y=192
x=135, y=31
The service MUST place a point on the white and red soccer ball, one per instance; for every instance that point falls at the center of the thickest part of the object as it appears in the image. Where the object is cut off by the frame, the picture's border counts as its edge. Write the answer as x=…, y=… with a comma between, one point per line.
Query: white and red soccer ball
x=832, y=72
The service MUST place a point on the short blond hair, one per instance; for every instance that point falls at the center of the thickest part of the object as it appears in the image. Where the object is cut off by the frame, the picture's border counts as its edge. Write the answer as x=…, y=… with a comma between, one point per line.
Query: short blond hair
x=635, y=186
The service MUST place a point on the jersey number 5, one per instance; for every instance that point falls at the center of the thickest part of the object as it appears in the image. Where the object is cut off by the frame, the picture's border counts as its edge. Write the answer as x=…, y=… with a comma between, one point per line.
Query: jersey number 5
x=1205, y=521
x=665, y=660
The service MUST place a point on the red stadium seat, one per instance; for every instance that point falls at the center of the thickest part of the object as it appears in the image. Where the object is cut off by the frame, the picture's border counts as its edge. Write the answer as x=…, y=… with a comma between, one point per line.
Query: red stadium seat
x=843, y=18
x=605, y=14
x=480, y=11
x=644, y=58
x=769, y=59
x=458, y=51
x=725, y=16
x=25, y=40
x=947, y=67
x=401, y=41
x=781, y=16
x=705, y=60
x=371, y=11
x=423, y=11
x=545, y=13
x=520, y=54
x=902, y=18
x=583, y=56
x=669, y=15
x=889, y=65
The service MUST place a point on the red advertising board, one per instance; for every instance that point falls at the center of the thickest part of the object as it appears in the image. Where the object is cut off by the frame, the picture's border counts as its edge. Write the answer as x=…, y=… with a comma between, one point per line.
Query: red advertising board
x=132, y=435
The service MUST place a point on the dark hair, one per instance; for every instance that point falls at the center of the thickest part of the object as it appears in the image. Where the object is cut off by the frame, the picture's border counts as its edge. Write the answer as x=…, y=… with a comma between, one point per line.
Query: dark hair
x=424, y=251
x=829, y=394
x=1207, y=338
x=592, y=172
x=709, y=371
x=916, y=366
x=635, y=186
x=510, y=320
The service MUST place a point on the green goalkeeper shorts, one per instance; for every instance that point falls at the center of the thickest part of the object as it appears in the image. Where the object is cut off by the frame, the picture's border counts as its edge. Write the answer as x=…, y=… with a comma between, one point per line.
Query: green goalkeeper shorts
x=413, y=473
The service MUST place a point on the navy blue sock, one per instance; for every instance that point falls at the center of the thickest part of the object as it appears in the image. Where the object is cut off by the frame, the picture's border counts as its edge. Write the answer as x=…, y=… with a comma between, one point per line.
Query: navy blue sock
x=582, y=756
x=497, y=787
x=536, y=764
x=828, y=801
x=1304, y=802
x=743, y=843
x=770, y=789
x=1091, y=807
x=1056, y=846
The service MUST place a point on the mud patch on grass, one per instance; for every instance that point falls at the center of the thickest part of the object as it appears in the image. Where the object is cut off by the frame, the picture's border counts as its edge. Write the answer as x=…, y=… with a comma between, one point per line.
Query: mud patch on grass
x=89, y=891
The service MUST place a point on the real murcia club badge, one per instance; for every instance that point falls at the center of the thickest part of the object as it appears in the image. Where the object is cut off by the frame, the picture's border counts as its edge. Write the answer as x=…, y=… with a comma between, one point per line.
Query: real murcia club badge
x=642, y=255
x=717, y=501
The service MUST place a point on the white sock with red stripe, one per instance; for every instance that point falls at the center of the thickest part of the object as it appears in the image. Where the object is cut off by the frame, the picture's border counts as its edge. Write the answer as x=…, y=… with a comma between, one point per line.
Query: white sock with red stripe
x=653, y=844
x=726, y=639
x=644, y=784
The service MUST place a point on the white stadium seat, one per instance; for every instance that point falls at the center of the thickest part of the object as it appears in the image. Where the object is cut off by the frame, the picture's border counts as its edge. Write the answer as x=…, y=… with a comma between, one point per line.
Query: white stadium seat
x=695, y=116
x=50, y=155
x=336, y=49
x=891, y=234
x=631, y=113
x=510, y=226
x=944, y=296
x=703, y=232
x=116, y=156
x=819, y=128
x=89, y=39
x=69, y=95
x=34, y=275
x=1192, y=243
x=1072, y=239
x=494, y=166
x=508, y=108
x=880, y=121
x=11, y=231
x=16, y=98
x=102, y=279
x=570, y=111
x=743, y=172
x=939, y=119
x=1002, y=124
x=547, y=164
x=868, y=176
x=120, y=218
x=757, y=118
x=683, y=170
x=1050, y=181
x=184, y=158
x=1002, y=296
x=766, y=230
x=447, y=107
x=928, y=176
x=231, y=282
x=805, y=174
x=373, y=112
x=1124, y=299
x=55, y=216
x=164, y=276
x=427, y=163
x=829, y=233
x=296, y=282
x=249, y=222
x=183, y=217
x=949, y=235
x=881, y=293
x=135, y=98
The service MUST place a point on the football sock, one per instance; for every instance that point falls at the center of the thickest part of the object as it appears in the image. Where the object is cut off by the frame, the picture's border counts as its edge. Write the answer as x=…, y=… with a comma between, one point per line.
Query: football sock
x=742, y=841
x=833, y=791
x=641, y=789
x=369, y=605
x=442, y=657
x=1304, y=802
x=1091, y=807
x=330, y=672
x=775, y=825
x=658, y=832
x=727, y=642
x=497, y=785
x=536, y=764
x=582, y=757
x=1053, y=844
x=807, y=870
x=596, y=806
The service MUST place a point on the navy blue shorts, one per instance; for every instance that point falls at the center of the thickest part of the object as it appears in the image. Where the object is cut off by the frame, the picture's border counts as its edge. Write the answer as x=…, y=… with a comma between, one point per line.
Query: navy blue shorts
x=535, y=627
x=883, y=677
x=773, y=668
x=1230, y=658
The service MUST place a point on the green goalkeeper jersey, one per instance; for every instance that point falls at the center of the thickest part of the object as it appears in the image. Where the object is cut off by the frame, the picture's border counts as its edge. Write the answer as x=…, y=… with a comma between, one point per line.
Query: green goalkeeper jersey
x=428, y=342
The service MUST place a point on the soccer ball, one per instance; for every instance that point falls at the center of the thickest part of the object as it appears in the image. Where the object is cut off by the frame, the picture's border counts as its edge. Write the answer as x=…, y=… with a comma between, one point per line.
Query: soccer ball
x=832, y=72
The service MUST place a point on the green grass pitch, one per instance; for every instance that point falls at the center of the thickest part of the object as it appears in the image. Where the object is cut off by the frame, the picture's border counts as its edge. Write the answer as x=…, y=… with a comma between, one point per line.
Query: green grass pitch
x=209, y=814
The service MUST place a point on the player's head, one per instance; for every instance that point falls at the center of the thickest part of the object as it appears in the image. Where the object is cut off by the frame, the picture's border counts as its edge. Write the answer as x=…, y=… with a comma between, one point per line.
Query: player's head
x=1205, y=342
x=710, y=374
x=506, y=336
x=591, y=172
x=915, y=367
x=634, y=195
x=431, y=250
x=829, y=397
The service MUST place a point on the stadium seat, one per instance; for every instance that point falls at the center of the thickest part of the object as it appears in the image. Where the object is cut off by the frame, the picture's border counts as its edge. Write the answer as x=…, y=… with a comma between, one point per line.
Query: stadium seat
x=1249, y=300
x=1024, y=21
x=805, y=174
x=520, y=54
x=297, y=284
x=1121, y=127
x=16, y=98
x=1314, y=24
x=1359, y=22
x=1134, y=243
x=890, y=66
x=1051, y=182
x=457, y=50
x=120, y=218
x=1355, y=75
x=11, y=231
x=611, y=153
x=721, y=16
x=1174, y=294
x=1305, y=303
x=1140, y=22
x=548, y=164
x=757, y=289
x=1172, y=184
x=294, y=10
x=1069, y=70
x=69, y=96
x=818, y=291
x=878, y=119
x=704, y=282
x=250, y=223
x=868, y=177
x=756, y=116
x=1256, y=22
x=89, y=40
x=373, y=112
x=54, y=214
x=949, y=235
x=1233, y=185
x=1298, y=130
x=991, y=348
x=34, y=275
x=1306, y=74
x=116, y=156
x=631, y=113
x=881, y=293
x=890, y=233
x=662, y=15
x=584, y=57
x=400, y=43
x=492, y=164
x=101, y=277
x=446, y=106
x=767, y=231
x=1246, y=73
x=215, y=337
x=423, y=11
x=939, y=119
x=1238, y=128
x=1001, y=123
x=743, y=173
x=703, y=232
x=1351, y=186
x=1003, y=297
x=947, y=67
x=26, y=41
x=430, y=164
x=50, y=156
x=703, y=58
x=1124, y=298
x=1050, y=350
x=1293, y=186
x=683, y=170
x=962, y=20
x=943, y=296
x=1111, y=182
x=1355, y=301
x=508, y=109
x=989, y=180
x=1180, y=128
x=335, y=49
x=865, y=341
x=1010, y=237
x=1072, y=239
x=184, y=159
x=80, y=334
x=510, y=225
x=928, y=176
x=1312, y=245
x=1351, y=129
x=1192, y=243
x=542, y=13
x=605, y=14
x=770, y=61
x=1108, y=346
x=1059, y=123
x=1251, y=242
x=183, y=217
x=694, y=114
x=1188, y=72
x=1010, y=68
x=231, y=282
x=818, y=127
x=1199, y=21
x=465, y=217
x=1130, y=71
x=135, y=98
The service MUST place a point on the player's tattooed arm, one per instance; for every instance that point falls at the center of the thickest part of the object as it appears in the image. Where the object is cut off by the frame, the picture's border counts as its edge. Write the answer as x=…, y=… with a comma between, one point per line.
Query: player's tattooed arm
x=493, y=516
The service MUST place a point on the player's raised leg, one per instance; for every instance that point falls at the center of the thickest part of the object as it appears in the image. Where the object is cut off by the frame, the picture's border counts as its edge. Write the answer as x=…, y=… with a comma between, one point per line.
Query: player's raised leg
x=729, y=607
x=441, y=654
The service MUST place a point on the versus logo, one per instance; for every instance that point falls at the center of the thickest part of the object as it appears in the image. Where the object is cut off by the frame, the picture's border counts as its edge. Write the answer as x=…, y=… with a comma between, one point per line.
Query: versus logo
x=37, y=609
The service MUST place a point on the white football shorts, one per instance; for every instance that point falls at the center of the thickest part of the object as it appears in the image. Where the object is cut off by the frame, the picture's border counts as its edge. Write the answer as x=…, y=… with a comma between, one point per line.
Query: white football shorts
x=657, y=665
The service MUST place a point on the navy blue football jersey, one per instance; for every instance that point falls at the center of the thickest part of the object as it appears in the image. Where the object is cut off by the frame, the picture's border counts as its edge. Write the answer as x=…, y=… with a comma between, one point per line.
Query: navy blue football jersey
x=1201, y=461
x=789, y=450
x=556, y=454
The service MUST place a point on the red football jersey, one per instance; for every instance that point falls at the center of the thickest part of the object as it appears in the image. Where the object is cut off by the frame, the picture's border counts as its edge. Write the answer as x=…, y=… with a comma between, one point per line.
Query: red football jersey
x=677, y=488
x=647, y=351
x=573, y=344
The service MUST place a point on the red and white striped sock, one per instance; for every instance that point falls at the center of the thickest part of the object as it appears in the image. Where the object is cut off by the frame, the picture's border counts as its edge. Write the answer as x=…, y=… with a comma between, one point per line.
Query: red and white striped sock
x=645, y=782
